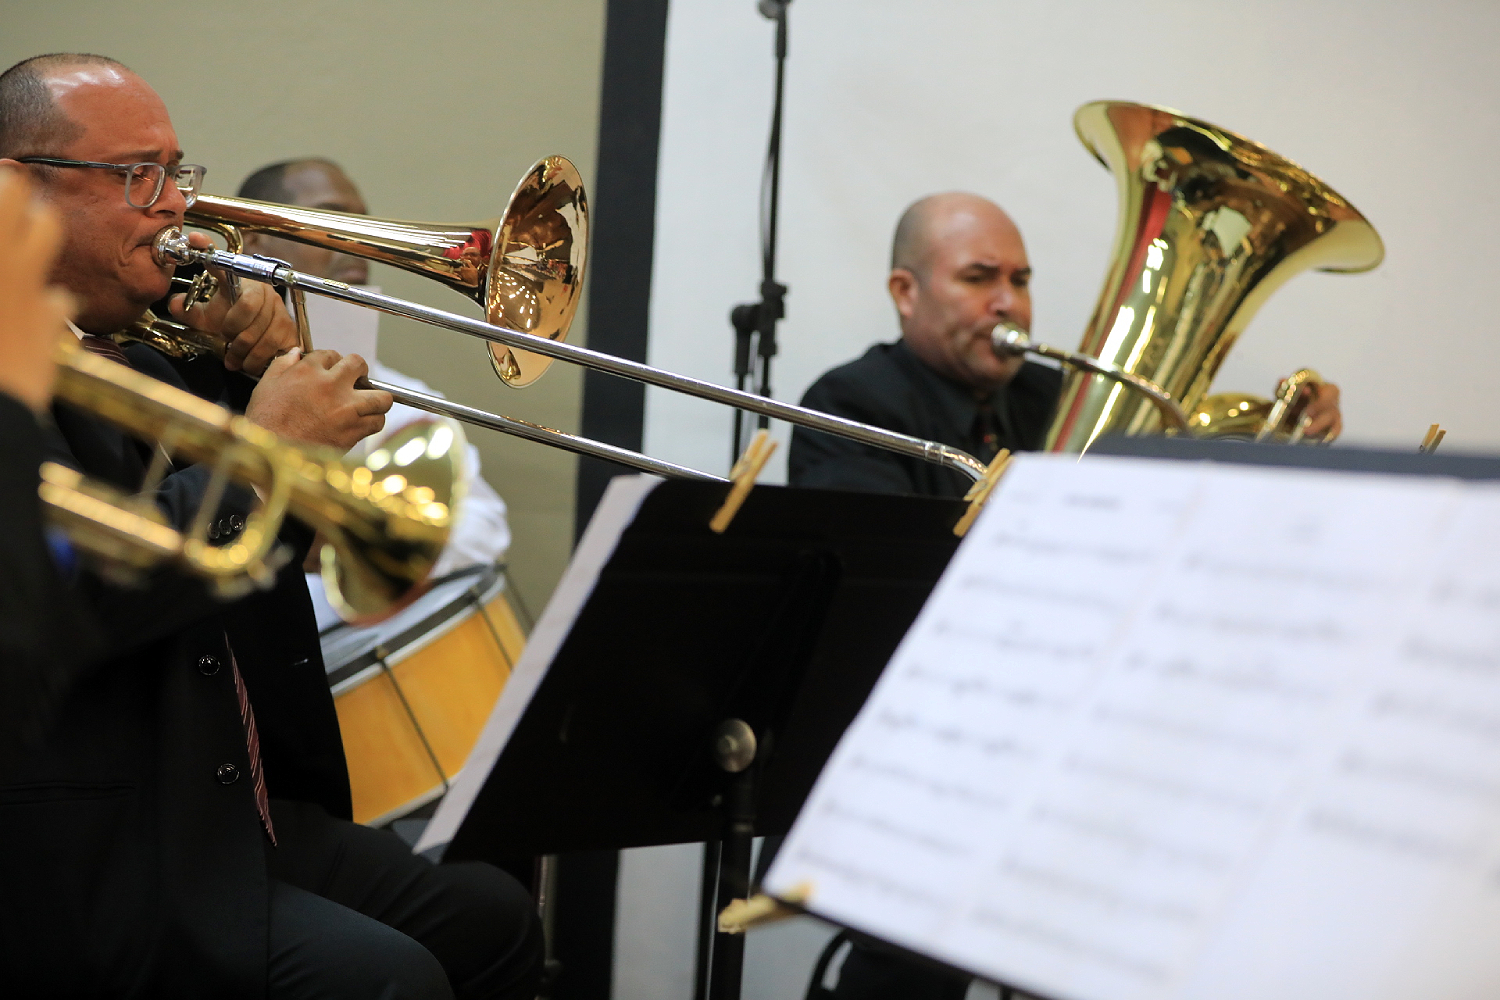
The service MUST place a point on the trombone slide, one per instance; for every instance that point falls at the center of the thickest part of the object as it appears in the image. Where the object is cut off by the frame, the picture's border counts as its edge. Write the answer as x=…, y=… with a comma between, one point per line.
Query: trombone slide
x=172, y=247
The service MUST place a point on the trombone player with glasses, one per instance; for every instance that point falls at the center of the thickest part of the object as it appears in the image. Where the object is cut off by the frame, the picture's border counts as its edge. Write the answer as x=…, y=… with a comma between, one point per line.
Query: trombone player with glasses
x=181, y=828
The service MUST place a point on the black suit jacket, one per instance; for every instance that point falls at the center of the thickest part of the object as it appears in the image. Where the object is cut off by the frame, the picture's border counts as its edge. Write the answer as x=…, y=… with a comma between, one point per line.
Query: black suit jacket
x=130, y=862
x=890, y=387
x=44, y=633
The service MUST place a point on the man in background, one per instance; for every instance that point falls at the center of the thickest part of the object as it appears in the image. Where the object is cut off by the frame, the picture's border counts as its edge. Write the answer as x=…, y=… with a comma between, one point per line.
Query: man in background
x=958, y=267
x=481, y=535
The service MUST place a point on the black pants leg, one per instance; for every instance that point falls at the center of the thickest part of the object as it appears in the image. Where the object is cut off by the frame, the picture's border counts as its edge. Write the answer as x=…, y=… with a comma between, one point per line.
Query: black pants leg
x=323, y=951
x=874, y=971
x=475, y=920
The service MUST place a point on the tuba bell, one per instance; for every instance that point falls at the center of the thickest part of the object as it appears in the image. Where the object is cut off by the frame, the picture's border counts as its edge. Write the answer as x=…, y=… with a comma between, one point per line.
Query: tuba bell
x=1210, y=224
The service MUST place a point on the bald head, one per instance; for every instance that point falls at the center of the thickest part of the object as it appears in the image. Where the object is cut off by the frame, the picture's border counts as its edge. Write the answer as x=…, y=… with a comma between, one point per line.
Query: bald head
x=31, y=121
x=312, y=182
x=73, y=106
x=958, y=266
x=930, y=221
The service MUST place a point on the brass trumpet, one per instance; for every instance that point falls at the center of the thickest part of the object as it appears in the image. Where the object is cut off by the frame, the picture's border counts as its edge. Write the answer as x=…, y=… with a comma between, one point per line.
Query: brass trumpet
x=384, y=522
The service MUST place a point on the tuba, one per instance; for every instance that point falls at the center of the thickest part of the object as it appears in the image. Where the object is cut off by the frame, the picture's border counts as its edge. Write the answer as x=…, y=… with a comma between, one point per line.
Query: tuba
x=1210, y=224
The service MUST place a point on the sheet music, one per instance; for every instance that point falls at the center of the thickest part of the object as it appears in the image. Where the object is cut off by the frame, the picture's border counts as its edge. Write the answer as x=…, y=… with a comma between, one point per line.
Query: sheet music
x=622, y=498
x=1170, y=730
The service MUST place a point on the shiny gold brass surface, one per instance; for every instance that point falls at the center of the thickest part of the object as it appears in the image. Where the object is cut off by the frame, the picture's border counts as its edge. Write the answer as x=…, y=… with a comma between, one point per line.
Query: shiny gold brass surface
x=1210, y=224
x=525, y=268
x=173, y=339
x=1239, y=415
x=384, y=522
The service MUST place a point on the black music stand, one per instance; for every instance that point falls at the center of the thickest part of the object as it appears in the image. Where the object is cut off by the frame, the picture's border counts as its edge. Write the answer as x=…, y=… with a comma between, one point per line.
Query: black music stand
x=708, y=677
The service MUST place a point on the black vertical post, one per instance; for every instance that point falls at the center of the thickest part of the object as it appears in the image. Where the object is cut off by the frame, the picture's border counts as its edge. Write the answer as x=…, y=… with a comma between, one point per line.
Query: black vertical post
x=757, y=321
x=623, y=215
x=728, y=963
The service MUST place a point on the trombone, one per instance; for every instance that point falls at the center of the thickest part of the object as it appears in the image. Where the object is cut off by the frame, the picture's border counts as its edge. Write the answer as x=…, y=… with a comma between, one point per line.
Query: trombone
x=384, y=522
x=525, y=269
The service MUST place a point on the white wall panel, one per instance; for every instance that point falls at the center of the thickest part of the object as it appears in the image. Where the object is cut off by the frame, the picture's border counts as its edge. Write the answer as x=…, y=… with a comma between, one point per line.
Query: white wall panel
x=1395, y=105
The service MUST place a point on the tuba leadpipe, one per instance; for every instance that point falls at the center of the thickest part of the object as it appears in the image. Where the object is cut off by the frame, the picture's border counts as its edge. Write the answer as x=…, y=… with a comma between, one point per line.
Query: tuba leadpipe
x=384, y=522
x=171, y=247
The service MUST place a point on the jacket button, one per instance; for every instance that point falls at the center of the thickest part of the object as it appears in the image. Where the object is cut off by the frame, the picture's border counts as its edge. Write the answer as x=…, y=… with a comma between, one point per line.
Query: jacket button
x=208, y=665
x=227, y=774
x=236, y=523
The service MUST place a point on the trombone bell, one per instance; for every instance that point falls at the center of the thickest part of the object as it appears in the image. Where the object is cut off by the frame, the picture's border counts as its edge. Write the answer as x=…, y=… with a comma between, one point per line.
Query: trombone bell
x=525, y=269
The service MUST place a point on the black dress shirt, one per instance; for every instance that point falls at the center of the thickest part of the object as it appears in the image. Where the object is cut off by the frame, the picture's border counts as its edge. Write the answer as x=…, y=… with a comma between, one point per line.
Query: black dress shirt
x=891, y=387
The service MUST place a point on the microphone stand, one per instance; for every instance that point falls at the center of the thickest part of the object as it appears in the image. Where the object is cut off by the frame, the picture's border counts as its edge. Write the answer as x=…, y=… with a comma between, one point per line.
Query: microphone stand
x=756, y=321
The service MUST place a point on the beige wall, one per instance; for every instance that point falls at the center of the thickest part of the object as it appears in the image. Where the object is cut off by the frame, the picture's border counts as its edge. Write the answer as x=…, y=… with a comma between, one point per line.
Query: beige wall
x=436, y=109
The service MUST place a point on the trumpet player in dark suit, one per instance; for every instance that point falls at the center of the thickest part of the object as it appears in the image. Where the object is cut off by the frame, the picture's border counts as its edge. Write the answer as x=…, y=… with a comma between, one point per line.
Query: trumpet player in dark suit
x=182, y=829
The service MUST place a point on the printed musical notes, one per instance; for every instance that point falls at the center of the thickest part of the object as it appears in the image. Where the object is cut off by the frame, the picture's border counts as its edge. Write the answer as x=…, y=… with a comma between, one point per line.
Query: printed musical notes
x=1171, y=730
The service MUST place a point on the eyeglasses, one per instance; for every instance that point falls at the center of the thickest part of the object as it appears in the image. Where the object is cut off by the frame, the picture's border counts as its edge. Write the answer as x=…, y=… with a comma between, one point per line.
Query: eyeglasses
x=143, y=181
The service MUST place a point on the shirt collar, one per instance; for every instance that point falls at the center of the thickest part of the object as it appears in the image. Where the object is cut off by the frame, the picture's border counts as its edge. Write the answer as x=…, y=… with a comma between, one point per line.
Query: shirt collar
x=76, y=332
x=958, y=403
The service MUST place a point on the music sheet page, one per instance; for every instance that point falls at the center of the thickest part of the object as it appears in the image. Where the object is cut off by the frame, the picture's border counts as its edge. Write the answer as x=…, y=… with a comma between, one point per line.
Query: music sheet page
x=1180, y=730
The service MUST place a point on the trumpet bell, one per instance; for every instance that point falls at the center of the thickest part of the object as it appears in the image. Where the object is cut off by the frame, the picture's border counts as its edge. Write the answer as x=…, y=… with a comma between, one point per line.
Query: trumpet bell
x=1210, y=225
x=372, y=574
x=525, y=269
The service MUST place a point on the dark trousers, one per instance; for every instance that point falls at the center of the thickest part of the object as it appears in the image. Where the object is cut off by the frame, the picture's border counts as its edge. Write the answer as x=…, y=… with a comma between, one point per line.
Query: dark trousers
x=875, y=971
x=355, y=914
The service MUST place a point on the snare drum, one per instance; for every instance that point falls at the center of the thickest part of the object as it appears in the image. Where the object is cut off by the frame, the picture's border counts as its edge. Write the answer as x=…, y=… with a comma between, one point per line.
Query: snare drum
x=413, y=692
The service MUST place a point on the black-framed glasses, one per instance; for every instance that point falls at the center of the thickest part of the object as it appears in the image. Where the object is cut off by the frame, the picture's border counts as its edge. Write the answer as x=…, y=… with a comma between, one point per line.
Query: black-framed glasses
x=143, y=181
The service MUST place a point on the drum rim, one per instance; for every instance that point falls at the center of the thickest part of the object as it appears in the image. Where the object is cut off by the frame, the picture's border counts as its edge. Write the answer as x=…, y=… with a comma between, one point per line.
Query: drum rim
x=489, y=581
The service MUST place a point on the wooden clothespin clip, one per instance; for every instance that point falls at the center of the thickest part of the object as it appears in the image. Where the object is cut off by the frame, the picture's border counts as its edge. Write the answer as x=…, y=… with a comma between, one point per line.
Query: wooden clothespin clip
x=742, y=914
x=742, y=476
x=980, y=492
x=1435, y=435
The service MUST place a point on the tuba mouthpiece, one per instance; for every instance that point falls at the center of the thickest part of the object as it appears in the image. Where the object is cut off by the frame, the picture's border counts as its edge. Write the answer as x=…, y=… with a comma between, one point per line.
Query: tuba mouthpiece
x=1009, y=339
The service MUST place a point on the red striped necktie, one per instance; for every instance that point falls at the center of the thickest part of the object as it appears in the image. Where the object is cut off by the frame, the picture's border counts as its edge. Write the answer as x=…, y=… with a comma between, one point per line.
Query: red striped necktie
x=107, y=348
x=252, y=743
x=104, y=347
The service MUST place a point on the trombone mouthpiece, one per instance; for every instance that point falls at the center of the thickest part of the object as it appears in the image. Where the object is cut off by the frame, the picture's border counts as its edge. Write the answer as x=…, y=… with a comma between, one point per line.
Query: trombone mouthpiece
x=1007, y=338
x=171, y=247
